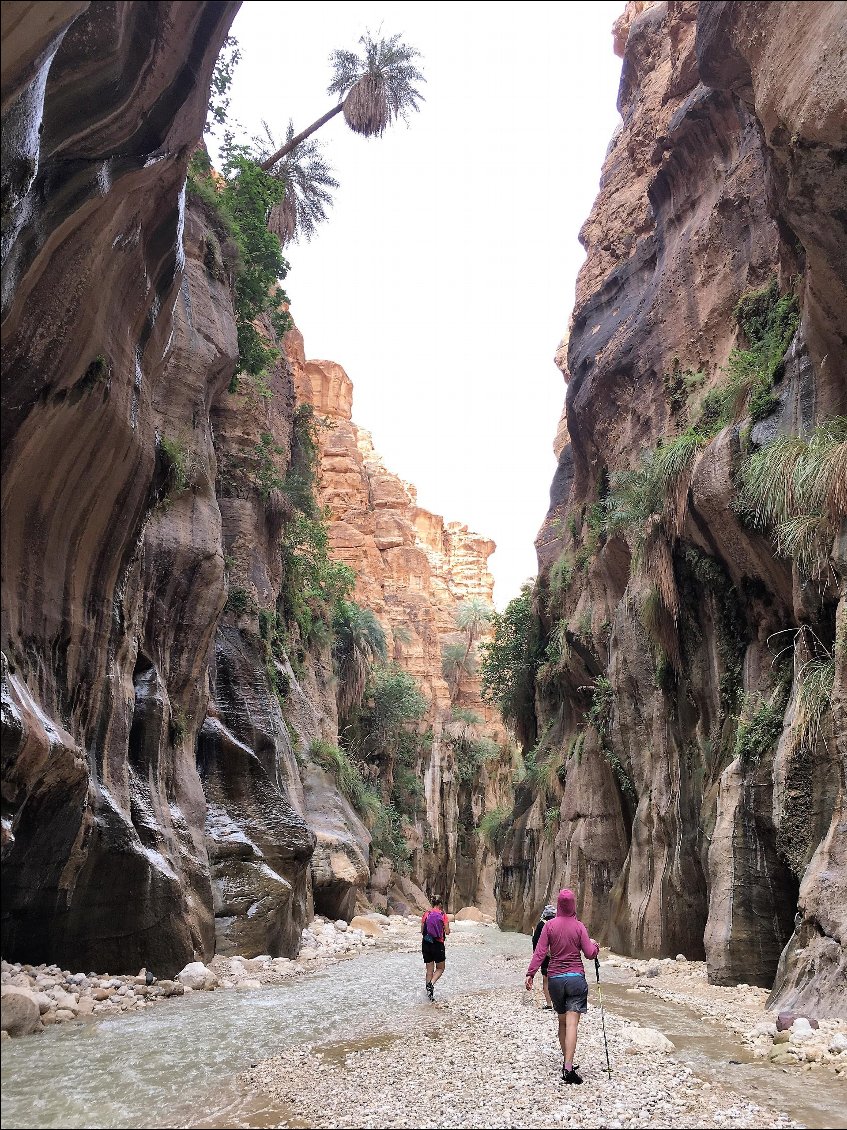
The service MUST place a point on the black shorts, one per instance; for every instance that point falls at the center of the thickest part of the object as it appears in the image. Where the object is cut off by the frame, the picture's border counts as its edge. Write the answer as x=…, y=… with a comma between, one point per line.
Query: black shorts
x=433, y=951
x=569, y=993
x=545, y=965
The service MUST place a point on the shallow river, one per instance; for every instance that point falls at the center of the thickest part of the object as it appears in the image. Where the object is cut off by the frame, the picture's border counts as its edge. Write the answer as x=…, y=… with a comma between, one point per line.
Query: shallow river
x=174, y=1064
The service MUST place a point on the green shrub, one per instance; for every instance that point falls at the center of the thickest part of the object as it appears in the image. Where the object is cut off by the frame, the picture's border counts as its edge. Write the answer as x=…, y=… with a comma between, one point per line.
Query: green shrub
x=493, y=827
x=240, y=602
x=551, y=819
x=176, y=460
x=760, y=731
x=510, y=662
x=561, y=575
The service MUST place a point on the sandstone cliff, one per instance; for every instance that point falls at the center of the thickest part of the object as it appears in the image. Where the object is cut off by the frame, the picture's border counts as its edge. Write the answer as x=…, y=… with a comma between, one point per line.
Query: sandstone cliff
x=413, y=571
x=661, y=624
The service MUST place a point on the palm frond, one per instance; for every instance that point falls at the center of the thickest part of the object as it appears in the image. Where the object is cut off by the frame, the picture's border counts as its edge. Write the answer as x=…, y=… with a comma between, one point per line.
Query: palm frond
x=309, y=183
x=379, y=85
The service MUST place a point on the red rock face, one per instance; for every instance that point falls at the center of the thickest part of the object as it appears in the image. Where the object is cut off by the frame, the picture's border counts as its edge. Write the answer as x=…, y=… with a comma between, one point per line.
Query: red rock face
x=723, y=173
x=413, y=570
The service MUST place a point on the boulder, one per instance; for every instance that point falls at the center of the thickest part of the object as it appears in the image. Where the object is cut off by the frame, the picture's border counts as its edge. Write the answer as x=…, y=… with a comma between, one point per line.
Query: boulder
x=44, y=1002
x=786, y=1020
x=19, y=1011
x=341, y=925
x=838, y=1044
x=375, y=916
x=653, y=969
x=367, y=925
x=196, y=975
x=469, y=914
x=649, y=1040
x=171, y=988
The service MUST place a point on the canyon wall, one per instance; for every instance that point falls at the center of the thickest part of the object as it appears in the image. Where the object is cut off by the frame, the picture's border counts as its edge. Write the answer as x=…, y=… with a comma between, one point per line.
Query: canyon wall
x=663, y=639
x=159, y=701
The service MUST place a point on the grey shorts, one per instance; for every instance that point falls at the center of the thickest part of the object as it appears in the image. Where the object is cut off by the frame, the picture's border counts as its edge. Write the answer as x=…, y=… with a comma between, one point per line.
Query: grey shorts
x=569, y=993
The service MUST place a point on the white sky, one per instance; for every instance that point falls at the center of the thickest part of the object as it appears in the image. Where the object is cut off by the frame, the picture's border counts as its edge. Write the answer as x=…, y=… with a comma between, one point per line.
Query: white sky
x=444, y=278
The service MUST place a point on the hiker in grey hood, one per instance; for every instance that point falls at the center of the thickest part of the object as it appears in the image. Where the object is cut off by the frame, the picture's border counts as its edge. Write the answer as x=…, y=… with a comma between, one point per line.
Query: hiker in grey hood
x=565, y=938
x=547, y=913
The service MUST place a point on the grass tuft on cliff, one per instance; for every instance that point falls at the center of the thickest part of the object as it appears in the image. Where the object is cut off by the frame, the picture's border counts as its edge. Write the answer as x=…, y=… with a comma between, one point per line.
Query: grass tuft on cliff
x=795, y=488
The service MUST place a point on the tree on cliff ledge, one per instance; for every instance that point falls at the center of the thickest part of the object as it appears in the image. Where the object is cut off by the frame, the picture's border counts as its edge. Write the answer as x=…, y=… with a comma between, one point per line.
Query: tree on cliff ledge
x=375, y=88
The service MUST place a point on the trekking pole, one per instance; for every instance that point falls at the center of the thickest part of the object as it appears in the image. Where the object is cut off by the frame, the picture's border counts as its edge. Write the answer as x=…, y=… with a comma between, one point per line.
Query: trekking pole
x=603, y=1017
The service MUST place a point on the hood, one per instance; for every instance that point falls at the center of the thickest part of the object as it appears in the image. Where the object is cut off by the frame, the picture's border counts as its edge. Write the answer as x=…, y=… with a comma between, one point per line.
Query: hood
x=566, y=906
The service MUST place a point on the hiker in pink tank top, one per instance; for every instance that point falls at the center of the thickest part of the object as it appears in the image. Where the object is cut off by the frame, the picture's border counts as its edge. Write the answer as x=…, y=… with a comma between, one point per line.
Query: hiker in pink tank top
x=565, y=939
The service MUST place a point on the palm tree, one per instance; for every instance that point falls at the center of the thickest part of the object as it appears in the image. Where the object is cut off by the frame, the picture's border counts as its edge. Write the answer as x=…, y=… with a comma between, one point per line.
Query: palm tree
x=359, y=643
x=473, y=616
x=456, y=663
x=374, y=88
x=308, y=183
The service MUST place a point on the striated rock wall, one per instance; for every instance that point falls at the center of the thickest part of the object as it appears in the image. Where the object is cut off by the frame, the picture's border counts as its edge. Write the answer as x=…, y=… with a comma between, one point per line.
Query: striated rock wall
x=412, y=570
x=152, y=808
x=722, y=175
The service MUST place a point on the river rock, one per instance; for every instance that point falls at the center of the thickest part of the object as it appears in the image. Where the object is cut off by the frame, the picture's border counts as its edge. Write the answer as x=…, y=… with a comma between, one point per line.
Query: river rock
x=653, y=968
x=171, y=988
x=469, y=914
x=367, y=925
x=195, y=975
x=341, y=925
x=786, y=1020
x=649, y=1040
x=44, y=1002
x=19, y=1011
x=65, y=1014
x=838, y=1044
x=376, y=916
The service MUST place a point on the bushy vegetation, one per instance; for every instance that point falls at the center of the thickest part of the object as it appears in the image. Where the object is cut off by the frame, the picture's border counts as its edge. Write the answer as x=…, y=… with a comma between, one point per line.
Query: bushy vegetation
x=237, y=207
x=359, y=645
x=509, y=665
x=768, y=322
x=471, y=749
x=795, y=488
x=493, y=826
x=759, y=731
x=176, y=459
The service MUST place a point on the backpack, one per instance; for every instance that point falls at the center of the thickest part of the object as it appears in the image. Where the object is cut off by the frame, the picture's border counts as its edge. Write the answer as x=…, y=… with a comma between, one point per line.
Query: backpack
x=434, y=926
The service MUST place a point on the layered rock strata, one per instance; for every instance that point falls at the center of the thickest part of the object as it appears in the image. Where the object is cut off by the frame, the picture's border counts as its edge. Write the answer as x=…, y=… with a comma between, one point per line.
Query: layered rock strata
x=413, y=570
x=722, y=175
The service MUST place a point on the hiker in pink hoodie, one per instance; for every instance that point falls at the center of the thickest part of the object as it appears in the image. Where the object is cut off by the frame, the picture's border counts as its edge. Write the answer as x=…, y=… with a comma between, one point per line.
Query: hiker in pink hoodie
x=564, y=938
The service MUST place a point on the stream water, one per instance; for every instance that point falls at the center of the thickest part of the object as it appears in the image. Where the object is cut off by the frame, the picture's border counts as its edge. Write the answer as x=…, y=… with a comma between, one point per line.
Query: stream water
x=174, y=1064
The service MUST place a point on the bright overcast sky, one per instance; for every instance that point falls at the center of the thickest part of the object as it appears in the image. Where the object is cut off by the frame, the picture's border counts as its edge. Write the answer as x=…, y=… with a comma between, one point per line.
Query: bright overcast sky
x=444, y=277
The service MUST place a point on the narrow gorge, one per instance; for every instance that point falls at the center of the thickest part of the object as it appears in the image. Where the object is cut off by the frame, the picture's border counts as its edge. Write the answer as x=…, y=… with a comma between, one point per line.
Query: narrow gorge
x=193, y=764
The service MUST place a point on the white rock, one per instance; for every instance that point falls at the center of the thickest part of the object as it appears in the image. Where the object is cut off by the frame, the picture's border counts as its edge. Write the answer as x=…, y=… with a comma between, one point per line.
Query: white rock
x=341, y=925
x=801, y=1024
x=195, y=975
x=649, y=1040
x=838, y=1043
x=681, y=957
x=19, y=1011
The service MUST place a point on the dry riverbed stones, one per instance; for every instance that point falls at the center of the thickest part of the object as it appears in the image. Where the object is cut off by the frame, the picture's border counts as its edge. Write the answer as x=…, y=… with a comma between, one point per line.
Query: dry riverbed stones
x=487, y=1061
x=34, y=996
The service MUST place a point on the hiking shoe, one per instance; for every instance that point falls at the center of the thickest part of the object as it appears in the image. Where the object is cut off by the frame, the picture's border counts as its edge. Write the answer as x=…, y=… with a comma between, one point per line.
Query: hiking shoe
x=430, y=990
x=571, y=1076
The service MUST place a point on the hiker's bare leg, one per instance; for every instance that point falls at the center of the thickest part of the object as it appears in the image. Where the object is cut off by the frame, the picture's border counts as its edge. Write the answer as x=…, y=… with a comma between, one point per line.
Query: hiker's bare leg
x=571, y=1024
x=439, y=969
x=546, y=989
x=562, y=1033
x=430, y=967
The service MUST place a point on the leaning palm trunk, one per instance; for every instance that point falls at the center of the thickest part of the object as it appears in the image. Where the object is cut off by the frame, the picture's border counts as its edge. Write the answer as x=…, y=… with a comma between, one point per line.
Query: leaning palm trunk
x=269, y=162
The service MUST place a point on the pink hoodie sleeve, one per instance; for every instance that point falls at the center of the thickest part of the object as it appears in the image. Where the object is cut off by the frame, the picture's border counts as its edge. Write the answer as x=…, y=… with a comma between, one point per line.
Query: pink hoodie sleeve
x=589, y=948
x=539, y=953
